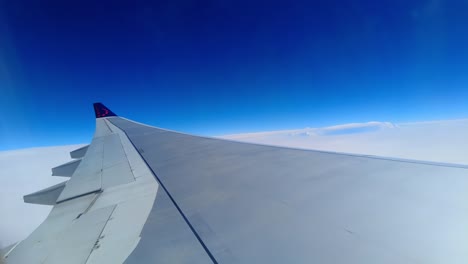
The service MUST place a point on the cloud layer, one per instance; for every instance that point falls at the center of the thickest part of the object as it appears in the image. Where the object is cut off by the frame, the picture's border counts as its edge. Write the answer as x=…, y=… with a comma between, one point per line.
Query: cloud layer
x=441, y=141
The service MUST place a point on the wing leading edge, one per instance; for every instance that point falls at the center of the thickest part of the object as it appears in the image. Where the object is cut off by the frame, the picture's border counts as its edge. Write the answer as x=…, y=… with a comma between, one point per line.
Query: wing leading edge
x=224, y=202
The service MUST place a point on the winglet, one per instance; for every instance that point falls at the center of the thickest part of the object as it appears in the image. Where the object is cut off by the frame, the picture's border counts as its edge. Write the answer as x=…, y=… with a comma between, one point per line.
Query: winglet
x=102, y=111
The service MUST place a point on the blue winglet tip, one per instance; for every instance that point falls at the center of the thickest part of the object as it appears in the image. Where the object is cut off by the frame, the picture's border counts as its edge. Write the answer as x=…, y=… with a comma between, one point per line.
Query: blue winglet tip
x=101, y=110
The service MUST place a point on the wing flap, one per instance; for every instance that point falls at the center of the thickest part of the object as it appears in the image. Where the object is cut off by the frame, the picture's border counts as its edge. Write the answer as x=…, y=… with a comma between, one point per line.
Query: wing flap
x=104, y=165
x=43, y=241
x=85, y=232
x=87, y=176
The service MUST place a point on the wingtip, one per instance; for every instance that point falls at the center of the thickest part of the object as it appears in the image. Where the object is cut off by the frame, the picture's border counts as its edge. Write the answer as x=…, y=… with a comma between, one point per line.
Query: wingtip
x=101, y=110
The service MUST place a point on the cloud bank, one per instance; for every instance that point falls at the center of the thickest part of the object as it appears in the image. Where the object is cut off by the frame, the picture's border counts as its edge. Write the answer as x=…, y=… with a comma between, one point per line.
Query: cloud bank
x=440, y=141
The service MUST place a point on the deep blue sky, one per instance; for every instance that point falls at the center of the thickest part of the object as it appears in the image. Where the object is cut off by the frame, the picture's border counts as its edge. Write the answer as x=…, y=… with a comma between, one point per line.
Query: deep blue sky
x=218, y=67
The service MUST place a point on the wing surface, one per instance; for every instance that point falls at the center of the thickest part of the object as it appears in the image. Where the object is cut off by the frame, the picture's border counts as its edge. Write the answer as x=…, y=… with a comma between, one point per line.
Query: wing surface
x=261, y=204
x=142, y=194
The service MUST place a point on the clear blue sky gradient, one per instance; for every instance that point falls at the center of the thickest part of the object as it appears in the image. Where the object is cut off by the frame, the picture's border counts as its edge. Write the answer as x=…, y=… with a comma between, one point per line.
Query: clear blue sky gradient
x=218, y=67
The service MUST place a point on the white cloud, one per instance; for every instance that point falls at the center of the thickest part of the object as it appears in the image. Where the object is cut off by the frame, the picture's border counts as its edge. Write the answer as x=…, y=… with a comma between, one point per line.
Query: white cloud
x=441, y=141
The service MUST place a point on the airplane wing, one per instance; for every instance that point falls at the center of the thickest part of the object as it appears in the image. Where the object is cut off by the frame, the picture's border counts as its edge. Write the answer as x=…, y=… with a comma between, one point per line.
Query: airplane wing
x=141, y=194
